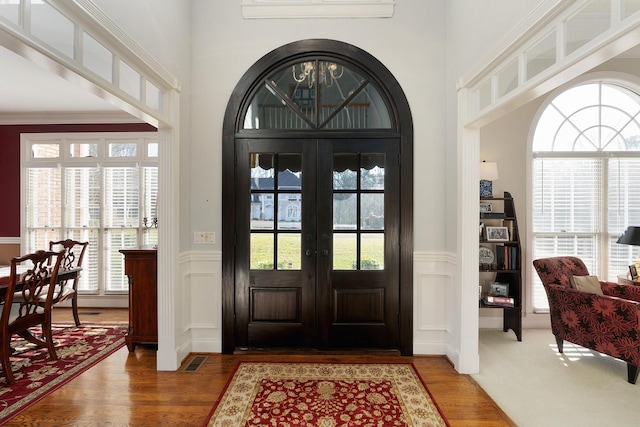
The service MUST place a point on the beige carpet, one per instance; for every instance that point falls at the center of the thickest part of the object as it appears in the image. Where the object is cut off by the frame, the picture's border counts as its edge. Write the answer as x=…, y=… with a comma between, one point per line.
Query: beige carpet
x=537, y=386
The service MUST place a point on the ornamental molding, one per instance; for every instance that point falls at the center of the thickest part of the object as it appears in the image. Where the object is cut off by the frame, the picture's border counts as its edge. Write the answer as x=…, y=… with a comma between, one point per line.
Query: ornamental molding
x=277, y=9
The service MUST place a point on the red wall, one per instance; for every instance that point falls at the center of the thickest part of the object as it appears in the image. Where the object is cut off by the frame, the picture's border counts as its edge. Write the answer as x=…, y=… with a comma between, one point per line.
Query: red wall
x=10, y=164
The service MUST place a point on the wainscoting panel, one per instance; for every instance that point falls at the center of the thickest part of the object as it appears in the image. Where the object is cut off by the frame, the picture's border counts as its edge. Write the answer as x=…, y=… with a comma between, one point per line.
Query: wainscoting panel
x=433, y=276
x=201, y=289
x=201, y=274
x=431, y=292
x=205, y=312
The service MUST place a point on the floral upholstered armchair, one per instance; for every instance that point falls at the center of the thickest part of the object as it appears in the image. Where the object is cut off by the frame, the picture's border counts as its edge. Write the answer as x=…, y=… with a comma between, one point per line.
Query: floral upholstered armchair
x=605, y=320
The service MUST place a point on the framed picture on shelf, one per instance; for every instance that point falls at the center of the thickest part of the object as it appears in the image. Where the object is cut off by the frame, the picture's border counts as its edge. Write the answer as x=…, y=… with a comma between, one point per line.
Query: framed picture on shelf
x=497, y=234
x=634, y=271
x=499, y=289
x=486, y=207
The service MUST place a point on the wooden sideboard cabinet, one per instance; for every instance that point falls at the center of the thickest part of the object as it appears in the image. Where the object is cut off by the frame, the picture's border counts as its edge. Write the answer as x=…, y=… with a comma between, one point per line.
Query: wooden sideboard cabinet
x=141, y=268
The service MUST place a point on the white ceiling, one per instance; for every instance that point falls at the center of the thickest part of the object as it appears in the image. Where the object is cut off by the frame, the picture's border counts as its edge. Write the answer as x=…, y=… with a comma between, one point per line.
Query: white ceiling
x=25, y=88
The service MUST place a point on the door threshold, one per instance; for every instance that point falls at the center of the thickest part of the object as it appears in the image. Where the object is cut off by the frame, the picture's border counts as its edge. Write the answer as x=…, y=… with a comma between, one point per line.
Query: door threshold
x=311, y=352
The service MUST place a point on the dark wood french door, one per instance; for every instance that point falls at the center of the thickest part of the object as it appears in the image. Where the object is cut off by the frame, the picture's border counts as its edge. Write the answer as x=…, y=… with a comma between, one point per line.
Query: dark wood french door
x=317, y=243
x=317, y=209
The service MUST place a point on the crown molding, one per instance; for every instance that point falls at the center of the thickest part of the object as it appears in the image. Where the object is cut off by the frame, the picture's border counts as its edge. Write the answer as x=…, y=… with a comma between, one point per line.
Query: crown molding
x=273, y=9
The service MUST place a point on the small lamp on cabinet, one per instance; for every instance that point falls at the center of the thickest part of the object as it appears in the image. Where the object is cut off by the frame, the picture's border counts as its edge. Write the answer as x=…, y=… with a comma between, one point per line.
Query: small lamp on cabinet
x=488, y=174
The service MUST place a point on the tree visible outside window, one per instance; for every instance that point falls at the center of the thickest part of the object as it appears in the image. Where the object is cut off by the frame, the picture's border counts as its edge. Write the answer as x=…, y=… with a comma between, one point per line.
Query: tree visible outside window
x=586, y=179
x=91, y=187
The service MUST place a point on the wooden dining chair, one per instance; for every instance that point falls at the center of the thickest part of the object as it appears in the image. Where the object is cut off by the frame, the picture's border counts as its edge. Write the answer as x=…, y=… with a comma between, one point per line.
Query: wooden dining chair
x=28, y=311
x=73, y=256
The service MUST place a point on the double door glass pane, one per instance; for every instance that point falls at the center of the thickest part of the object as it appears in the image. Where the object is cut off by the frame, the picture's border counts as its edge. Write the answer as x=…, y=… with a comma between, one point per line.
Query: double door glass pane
x=276, y=211
x=358, y=211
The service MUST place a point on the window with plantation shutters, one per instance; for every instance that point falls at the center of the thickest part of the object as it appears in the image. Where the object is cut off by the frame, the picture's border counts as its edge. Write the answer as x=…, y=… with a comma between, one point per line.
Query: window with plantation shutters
x=100, y=188
x=586, y=180
x=81, y=193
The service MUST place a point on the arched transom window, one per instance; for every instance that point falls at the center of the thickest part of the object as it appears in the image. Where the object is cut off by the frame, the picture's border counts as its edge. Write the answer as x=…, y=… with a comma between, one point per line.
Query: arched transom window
x=317, y=93
x=586, y=179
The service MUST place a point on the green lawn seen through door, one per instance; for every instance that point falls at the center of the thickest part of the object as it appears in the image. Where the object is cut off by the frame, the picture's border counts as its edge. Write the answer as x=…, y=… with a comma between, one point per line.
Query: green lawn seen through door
x=344, y=248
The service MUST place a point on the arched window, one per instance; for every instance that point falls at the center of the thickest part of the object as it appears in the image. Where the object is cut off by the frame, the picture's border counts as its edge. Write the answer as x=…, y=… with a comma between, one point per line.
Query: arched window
x=586, y=179
x=314, y=94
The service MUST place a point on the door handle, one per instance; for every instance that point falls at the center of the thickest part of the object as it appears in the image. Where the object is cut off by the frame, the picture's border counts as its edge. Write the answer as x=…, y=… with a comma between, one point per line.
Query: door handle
x=325, y=253
x=310, y=252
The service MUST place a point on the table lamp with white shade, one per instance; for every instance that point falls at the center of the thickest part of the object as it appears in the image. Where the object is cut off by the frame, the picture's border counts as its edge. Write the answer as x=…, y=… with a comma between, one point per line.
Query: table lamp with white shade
x=488, y=174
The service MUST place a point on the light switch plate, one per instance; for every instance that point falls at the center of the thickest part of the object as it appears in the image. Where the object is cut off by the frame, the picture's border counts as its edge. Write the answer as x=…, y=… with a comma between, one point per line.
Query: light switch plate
x=204, y=237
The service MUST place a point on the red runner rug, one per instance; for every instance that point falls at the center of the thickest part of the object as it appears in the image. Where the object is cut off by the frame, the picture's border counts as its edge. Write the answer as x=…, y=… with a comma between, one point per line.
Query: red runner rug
x=325, y=394
x=36, y=375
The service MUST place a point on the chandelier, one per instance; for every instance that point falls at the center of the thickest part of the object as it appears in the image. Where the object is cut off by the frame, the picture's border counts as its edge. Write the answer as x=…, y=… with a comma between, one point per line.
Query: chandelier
x=328, y=73
x=153, y=222
x=150, y=224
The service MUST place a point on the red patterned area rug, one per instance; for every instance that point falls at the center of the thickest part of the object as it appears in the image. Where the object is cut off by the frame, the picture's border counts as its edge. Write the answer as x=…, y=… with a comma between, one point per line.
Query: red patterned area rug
x=36, y=375
x=327, y=395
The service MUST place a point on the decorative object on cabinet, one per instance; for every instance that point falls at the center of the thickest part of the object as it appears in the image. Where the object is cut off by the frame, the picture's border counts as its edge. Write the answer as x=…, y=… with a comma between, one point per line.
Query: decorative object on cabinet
x=141, y=268
x=497, y=289
x=486, y=188
x=488, y=174
x=505, y=268
x=486, y=257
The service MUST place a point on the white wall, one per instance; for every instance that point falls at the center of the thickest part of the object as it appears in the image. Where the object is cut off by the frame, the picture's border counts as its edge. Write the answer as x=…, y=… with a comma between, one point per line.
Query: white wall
x=473, y=28
x=411, y=45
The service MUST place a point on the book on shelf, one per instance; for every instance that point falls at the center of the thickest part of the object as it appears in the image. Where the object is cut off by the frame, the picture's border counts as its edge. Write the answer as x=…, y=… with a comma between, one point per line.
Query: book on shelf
x=509, y=224
x=506, y=257
x=500, y=257
x=498, y=301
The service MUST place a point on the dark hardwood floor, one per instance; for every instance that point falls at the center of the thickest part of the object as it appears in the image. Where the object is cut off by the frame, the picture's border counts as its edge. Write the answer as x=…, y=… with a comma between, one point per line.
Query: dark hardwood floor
x=126, y=390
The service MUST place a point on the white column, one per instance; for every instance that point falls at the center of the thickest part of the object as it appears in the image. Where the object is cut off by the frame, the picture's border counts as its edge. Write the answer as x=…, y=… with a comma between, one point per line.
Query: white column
x=467, y=239
x=168, y=243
